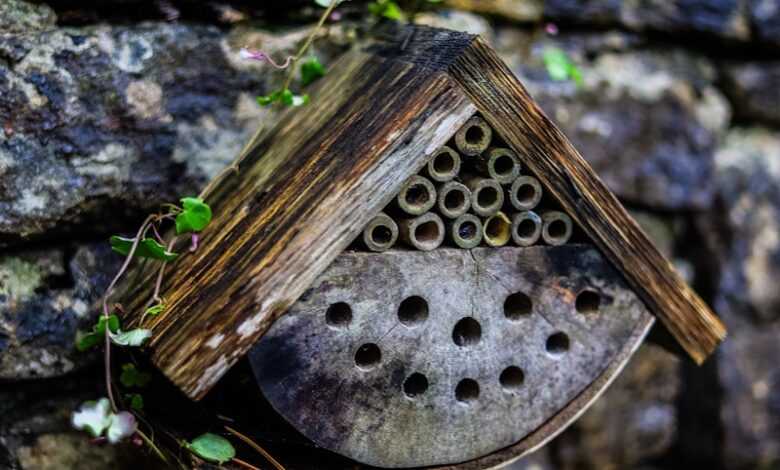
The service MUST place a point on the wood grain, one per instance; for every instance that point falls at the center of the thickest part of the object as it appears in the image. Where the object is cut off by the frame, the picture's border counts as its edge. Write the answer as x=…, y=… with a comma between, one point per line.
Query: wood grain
x=302, y=195
x=508, y=107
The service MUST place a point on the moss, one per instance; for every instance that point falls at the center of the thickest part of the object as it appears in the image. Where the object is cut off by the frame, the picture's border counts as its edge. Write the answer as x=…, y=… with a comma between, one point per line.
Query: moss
x=18, y=278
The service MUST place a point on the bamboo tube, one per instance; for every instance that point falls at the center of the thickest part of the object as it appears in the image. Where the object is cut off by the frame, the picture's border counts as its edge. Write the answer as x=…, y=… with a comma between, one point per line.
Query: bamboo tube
x=557, y=228
x=497, y=229
x=444, y=165
x=380, y=233
x=417, y=195
x=526, y=228
x=487, y=196
x=465, y=231
x=525, y=193
x=454, y=199
x=499, y=163
x=424, y=233
x=474, y=137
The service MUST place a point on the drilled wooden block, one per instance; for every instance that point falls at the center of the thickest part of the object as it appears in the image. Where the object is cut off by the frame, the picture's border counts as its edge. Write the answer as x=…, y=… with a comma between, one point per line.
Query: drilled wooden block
x=407, y=359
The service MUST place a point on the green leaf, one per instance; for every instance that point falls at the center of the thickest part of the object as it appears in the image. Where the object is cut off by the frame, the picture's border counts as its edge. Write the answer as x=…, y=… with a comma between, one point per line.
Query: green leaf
x=559, y=66
x=136, y=401
x=88, y=340
x=285, y=97
x=134, y=337
x=212, y=448
x=194, y=217
x=155, y=310
x=147, y=248
x=132, y=377
x=311, y=70
x=386, y=9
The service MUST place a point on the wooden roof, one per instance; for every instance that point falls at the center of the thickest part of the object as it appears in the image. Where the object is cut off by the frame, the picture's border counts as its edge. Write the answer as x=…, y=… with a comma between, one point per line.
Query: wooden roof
x=307, y=186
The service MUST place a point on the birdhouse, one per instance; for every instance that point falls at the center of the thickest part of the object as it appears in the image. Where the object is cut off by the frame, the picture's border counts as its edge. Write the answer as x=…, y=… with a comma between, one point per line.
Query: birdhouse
x=423, y=270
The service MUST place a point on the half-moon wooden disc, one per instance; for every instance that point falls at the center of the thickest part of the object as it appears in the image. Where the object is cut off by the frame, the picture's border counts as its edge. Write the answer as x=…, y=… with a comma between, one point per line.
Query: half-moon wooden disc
x=411, y=359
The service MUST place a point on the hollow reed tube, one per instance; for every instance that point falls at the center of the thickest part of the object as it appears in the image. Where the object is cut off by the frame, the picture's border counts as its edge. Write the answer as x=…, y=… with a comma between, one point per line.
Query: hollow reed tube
x=454, y=199
x=525, y=193
x=497, y=230
x=417, y=195
x=474, y=137
x=380, y=233
x=526, y=228
x=465, y=231
x=444, y=165
x=487, y=196
x=499, y=163
x=556, y=228
x=424, y=233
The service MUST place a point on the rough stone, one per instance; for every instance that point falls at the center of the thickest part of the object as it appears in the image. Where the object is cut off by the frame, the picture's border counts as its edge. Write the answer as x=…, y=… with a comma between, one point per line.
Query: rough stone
x=648, y=122
x=765, y=19
x=43, y=301
x=724, y=18
x=19, y=16
x=754, y=89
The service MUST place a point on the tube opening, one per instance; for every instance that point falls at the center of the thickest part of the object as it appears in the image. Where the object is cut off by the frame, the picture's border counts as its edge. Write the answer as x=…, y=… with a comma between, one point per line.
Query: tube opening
x=526, y=228
x=381, y=235
x=413, y=310
x=468, y=230
x=443, y=163
x=512, y=378
x=557, y=229
x=503, y=165
x=487, y=196
x=454, y=199
x=467, y=391
x=526, y=194
x=415, y=385
x=517, y=306
x=368, y=356
x=474, y=135
x=417, y=195
x=467, y=332
x=427, y=232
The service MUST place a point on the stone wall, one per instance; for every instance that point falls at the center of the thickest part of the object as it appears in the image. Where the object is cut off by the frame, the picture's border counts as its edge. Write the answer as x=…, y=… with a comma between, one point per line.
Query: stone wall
x=104, y=116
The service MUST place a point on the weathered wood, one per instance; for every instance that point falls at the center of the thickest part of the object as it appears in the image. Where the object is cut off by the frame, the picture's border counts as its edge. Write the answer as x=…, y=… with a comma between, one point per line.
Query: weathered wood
x=508, y=107
x=398, y=407
x=302, y=195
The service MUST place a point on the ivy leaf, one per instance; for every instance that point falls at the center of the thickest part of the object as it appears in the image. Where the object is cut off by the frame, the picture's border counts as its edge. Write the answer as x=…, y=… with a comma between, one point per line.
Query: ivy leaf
x=132, y=377
x=386, y=9
x=560, y=67
x=212, y=448
x=147, y=248
x=136, y=401
x=311, y=70
x=122, y=425
x=285, y=97
x=134, y=337
x=93, y=417
x=88, y=340
x=155, y=310
x=195, y=216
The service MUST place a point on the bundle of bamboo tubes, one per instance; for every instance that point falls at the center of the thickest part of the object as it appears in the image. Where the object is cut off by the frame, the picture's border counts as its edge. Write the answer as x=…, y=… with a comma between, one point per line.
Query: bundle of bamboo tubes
x=472, y=191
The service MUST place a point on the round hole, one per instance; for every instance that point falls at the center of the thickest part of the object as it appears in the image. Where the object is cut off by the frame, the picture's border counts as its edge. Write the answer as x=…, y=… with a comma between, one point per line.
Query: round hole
x=381, y=234
x=557, y=343
x=339, y=315
x=427, y=232
x=368, y=356
x=517, y=306
x=497, y=228
x=487, y=196
x=413, y=310
x=467, y=391
x=467, y=332
x=525, y=193
x=468, y=230
x=557, y=229
x=415, y=385
x=443, y=163
x=588, y=302
x=474, y=135
x=417, y=195
x=503, y=165
x=512, y=378
x=526, y=228
x=454, y=200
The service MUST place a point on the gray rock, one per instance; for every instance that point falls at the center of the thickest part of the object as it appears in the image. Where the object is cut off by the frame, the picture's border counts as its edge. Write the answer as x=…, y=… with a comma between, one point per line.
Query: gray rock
x=43, y=301
x=765, y=19
x=647, y=121
x=18, y=16
x=106, y=122
x=717, y=17
x=754, y=89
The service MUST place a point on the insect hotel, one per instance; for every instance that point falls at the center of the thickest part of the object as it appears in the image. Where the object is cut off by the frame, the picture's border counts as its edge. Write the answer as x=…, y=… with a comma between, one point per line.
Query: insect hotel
x=422, y=269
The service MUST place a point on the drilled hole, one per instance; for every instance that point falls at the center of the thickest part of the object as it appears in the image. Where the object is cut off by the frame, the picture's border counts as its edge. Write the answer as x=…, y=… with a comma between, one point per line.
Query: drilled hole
x=415, y=385
x=487, y=196
x=474, y=135
x=339, y=315
x=381, y=235
x=467, y=391
x=557, y=343
x=454, y=200
x=443, y=163
x=467, y=332
x=517, y=306
x=512, y=378
x=417, y=195
x=468, y=230
x=427, y=232
x=503, y=165
x=588, y=302
x=525, y=193
x=413, y=310
x=557, y=229
x=368, y=356
x=526, y=228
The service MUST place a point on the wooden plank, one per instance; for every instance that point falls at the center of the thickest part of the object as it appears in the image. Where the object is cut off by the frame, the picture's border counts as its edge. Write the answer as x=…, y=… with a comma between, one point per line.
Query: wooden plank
x=301, y=196
x=508, y=107
x=313, y=367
